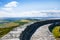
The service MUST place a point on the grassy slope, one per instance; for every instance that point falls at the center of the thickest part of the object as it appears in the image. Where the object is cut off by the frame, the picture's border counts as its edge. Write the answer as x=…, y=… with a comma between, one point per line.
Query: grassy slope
x=9, y=27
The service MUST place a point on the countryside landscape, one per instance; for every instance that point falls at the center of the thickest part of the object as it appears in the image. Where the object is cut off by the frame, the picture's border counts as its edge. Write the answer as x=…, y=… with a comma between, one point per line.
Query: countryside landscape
x=29, y=19
x=8, y=24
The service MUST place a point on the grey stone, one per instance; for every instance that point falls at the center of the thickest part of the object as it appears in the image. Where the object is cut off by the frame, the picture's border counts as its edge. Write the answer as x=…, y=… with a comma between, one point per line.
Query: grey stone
x=42, y=33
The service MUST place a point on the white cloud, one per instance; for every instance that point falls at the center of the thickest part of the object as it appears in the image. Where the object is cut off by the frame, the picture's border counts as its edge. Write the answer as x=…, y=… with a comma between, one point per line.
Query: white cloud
x=34, y=14
x=8, y=11
x=10, y=5
x=22, y=14
x=28, y=14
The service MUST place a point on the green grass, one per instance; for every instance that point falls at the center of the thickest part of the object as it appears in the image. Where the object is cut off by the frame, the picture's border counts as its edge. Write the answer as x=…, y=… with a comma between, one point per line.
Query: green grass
x=56, y=31
x=4, y=31
x=10, y=26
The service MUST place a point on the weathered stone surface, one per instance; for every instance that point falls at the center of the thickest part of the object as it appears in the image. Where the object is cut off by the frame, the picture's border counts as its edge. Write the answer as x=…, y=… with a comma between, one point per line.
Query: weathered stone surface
x=15, y=33
x=41, y=34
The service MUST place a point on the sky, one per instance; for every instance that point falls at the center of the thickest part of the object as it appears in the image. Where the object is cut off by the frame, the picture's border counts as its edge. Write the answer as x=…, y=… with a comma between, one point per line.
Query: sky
x=28, y=8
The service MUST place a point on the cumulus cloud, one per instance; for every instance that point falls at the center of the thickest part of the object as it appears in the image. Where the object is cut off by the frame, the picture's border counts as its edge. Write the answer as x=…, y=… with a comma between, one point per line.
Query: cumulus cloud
x=10, y=5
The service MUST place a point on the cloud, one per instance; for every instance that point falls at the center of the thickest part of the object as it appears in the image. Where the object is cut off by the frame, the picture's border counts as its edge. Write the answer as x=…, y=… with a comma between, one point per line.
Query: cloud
x=29, y=14
x=34, y=14
x=9, y=11
x=22, y=14
x=10, y=6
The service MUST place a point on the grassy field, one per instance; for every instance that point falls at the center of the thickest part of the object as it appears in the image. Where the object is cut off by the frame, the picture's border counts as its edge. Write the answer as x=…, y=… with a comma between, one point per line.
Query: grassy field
x=7, y=27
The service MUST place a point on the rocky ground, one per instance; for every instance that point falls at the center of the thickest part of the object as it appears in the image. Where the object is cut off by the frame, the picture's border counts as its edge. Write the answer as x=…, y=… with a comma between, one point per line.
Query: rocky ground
x=41, y=34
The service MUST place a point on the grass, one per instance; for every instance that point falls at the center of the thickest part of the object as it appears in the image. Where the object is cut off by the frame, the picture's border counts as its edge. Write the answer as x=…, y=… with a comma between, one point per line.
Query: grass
x=9, y=27
x=56, y=32
x=4, y=31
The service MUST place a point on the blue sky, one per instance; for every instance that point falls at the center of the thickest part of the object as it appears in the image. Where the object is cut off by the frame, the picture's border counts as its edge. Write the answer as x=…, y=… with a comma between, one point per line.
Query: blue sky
x=35, y=4
x=16, y=7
